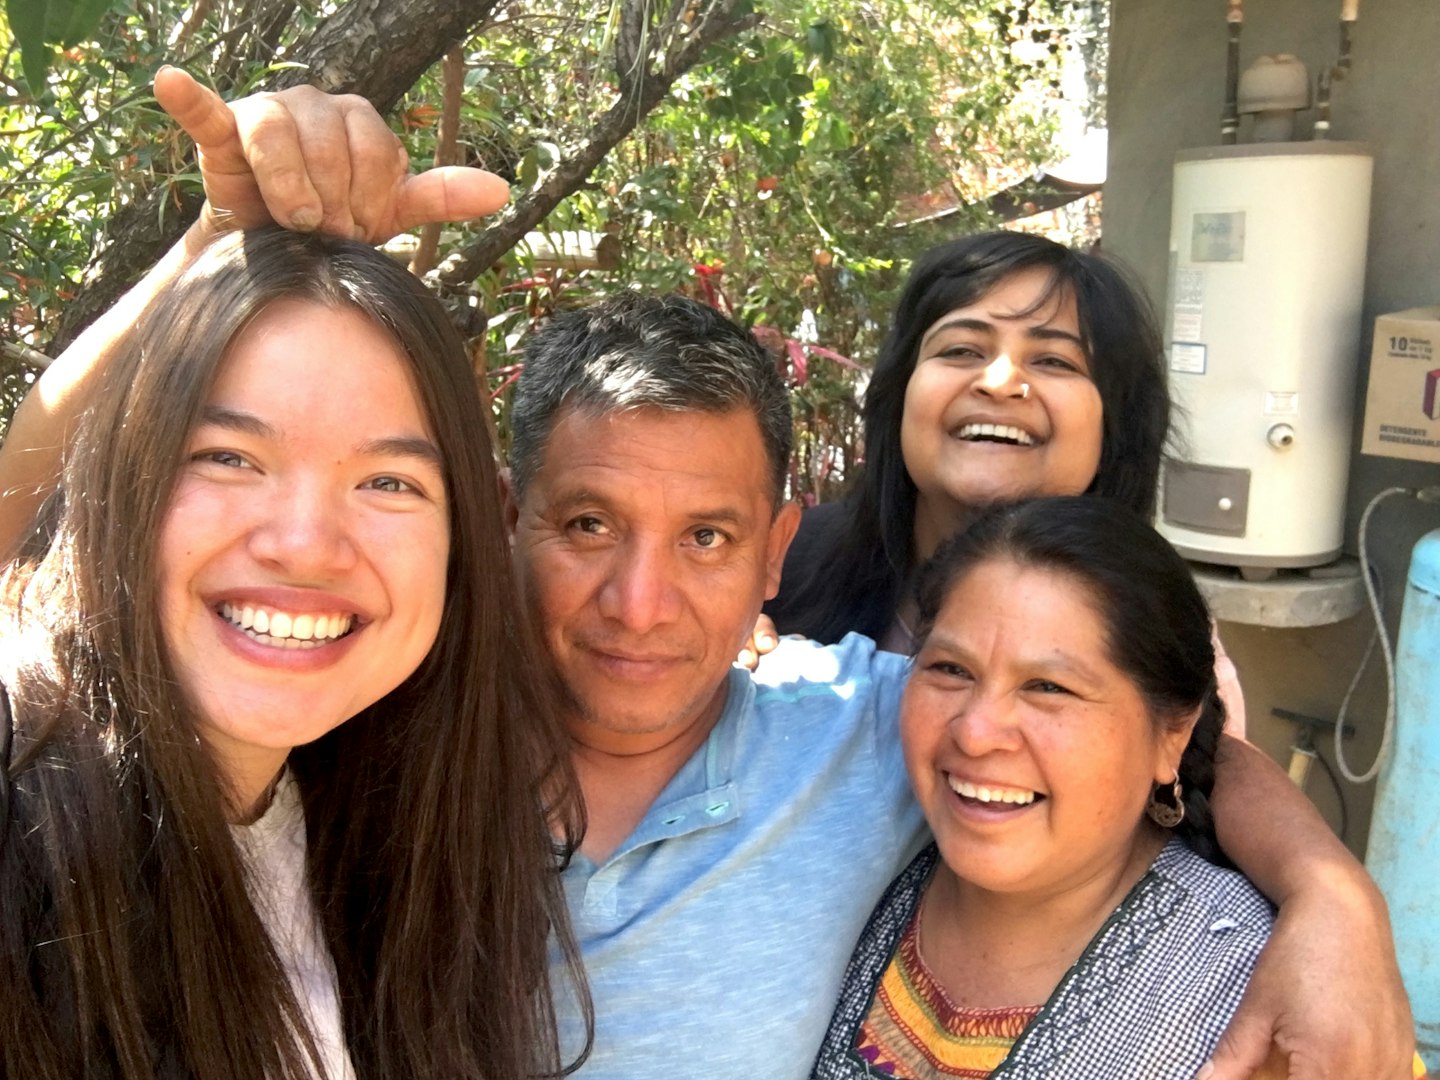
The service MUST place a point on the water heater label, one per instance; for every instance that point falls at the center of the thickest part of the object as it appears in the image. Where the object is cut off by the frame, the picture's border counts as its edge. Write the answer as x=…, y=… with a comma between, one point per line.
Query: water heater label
x=1282, y=403
x=1189, y=289
x=1187, y=357
x=1217, y=237
x=1187, y=303
x=1187, y=324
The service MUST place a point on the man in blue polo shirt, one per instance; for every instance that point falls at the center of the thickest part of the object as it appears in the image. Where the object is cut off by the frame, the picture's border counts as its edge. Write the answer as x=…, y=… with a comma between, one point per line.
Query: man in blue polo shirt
x=741, y=827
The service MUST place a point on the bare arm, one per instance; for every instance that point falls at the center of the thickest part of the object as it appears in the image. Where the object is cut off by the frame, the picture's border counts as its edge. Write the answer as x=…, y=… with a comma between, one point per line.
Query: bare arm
x=301, y=158
x=1332, y=932
x=30, y=456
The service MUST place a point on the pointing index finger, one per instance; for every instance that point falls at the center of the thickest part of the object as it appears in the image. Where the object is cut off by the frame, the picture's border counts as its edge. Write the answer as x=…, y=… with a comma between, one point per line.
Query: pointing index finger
x=197, y=109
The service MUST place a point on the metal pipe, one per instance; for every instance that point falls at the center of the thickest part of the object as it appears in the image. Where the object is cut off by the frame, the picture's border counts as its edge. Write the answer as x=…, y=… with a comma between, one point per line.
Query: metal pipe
x=1325, y=82
x=1349, y=13
x=1322, y=105
x=1230, y=118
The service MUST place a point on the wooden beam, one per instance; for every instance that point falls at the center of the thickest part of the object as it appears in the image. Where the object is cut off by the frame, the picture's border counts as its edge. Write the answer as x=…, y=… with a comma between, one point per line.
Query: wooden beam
x=571, y=250
x=1033, y=195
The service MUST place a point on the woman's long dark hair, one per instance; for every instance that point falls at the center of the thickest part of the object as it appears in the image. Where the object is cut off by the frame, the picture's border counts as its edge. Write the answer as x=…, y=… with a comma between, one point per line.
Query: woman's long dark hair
x=852, y=578
x=129, y=946
x=1156, y=622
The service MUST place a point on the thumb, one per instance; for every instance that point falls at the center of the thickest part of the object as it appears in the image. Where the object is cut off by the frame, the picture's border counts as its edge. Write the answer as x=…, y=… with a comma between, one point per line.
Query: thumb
x=1243, y=1048
x=449, y=193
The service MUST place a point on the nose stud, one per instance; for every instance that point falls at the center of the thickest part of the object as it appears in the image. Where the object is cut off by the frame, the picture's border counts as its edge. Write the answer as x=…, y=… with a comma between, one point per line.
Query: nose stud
x=1024, y=390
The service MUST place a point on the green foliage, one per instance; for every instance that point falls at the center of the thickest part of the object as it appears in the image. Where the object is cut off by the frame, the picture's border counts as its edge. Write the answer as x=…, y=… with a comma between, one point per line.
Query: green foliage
x=40, y=24
x=776, y=180
x=84, y=139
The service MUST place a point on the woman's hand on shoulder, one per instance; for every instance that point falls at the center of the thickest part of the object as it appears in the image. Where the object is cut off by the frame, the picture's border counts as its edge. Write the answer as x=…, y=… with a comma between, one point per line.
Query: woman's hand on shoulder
x=1326, y=993
x=763, y=639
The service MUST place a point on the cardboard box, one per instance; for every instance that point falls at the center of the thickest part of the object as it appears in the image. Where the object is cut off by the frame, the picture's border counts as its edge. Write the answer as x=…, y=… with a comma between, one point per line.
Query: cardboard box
x=1402, y=404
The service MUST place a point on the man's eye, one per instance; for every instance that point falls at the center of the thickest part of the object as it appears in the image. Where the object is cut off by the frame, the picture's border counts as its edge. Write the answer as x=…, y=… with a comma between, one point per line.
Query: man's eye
x=588, y=524
x=949, y=669
x=709, y=538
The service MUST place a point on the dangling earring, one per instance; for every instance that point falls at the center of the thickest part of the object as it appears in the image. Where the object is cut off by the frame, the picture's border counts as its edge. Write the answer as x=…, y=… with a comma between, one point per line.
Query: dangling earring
x=1169, y=810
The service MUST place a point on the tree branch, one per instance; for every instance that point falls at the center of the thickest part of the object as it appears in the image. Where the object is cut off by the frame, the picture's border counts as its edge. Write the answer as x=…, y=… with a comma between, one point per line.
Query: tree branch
x=193, y=18
x=446, y=150
x=636, y=101
x=22, y=354
x=632, y=48
x=380, y=48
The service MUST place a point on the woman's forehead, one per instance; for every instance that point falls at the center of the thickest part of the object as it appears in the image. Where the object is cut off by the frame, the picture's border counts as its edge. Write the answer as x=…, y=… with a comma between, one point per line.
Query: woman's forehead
x=300, y=361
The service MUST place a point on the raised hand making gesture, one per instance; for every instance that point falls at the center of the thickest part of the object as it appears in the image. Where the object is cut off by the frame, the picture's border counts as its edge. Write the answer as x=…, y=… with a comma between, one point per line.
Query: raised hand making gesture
x=309, y=160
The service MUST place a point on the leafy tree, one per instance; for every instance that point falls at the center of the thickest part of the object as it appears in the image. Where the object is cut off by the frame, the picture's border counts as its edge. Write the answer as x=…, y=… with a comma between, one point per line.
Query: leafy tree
x=761, y=156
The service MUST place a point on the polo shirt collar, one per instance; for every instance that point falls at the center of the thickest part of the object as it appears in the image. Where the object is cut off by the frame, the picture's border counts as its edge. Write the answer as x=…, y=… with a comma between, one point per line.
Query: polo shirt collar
x=704, y=793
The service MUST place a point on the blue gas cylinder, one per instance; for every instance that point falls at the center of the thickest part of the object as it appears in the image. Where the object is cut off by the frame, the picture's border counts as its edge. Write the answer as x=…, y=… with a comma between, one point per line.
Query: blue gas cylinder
x=1404, y=851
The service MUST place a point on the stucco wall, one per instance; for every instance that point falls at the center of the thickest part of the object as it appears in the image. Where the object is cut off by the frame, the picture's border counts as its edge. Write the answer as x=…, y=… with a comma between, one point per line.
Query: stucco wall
x=1167, y=67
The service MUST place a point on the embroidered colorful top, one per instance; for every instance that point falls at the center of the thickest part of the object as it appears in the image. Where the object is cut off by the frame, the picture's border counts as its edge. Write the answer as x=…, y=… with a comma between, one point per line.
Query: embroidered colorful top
x=915, y=1032
x=1148, y=999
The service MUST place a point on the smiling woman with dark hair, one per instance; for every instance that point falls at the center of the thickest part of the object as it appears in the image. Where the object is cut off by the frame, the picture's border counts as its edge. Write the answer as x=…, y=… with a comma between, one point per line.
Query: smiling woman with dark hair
x=283, y=779
x=1073, y=918
x=1014, y=367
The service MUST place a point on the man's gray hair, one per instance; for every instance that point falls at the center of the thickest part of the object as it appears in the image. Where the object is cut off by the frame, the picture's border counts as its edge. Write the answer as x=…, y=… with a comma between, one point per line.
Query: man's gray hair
x=657, y=352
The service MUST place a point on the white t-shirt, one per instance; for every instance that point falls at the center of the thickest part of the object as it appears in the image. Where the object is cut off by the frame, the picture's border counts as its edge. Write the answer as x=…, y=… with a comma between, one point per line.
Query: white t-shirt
x=274, y=847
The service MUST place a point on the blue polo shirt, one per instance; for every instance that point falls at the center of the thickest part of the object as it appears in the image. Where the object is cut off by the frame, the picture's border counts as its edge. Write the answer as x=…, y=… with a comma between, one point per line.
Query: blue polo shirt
x=716, y=935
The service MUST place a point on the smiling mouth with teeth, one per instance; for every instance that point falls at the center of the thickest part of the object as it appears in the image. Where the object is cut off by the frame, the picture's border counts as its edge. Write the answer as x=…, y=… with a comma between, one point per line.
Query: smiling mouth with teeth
x=992, y=794
x=1000, y=433
x=285, y=630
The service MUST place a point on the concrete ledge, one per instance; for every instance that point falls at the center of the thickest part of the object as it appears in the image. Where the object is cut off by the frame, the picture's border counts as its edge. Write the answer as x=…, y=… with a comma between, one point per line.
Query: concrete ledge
x=1315, y=597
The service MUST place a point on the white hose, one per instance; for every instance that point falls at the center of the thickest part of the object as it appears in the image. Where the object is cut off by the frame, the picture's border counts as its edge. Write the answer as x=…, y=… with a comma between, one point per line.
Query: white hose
x=1386, y=650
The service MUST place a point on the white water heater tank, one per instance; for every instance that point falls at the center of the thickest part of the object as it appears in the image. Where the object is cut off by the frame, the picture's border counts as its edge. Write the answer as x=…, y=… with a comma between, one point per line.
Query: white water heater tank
x=1267, y=272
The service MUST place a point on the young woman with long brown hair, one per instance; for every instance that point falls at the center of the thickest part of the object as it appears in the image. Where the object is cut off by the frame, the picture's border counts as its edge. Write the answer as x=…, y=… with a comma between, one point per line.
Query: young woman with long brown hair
x=284, y=783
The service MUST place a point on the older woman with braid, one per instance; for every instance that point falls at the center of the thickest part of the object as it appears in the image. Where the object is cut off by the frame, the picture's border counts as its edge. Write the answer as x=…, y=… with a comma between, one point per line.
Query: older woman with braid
x=1074, y=917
